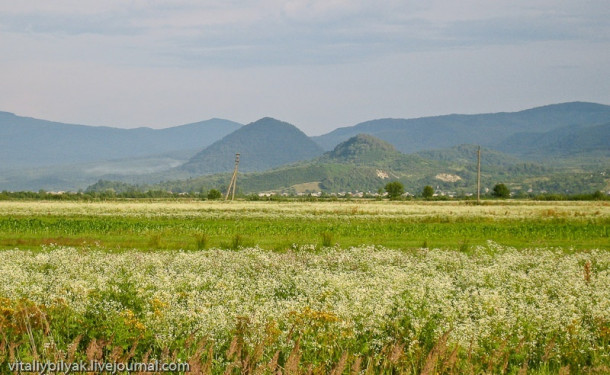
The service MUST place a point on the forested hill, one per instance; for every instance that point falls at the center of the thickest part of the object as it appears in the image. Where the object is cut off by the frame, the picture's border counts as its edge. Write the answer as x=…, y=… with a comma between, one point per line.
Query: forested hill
x=263, y=144
x=412, y=135
x=562, y=142
x=363, y=149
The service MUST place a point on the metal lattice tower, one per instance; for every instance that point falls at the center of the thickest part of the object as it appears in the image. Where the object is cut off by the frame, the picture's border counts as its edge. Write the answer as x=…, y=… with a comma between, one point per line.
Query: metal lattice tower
x=233, y=182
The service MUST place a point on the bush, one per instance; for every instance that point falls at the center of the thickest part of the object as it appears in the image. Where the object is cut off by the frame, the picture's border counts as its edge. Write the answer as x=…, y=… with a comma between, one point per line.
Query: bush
x=501, y=191
x=214, y=194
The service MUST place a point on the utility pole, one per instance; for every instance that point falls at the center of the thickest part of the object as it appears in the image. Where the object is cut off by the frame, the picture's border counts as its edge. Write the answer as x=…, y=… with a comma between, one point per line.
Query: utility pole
x=479, y=175
x=233, y=182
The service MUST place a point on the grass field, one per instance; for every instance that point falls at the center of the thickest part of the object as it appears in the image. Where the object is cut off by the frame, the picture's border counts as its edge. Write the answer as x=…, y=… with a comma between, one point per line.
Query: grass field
x=296, y=288
x=277, y=226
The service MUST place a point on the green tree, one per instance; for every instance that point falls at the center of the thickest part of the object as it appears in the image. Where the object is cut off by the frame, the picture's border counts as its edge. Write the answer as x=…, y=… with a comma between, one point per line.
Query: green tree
x=501, y=191
x=214, y=194
x=428, y=192
x=395, y=189
x=598, y=195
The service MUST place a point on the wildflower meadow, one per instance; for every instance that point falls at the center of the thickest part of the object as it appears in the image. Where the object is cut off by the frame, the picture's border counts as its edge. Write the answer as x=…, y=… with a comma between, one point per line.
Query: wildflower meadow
x=320, y=307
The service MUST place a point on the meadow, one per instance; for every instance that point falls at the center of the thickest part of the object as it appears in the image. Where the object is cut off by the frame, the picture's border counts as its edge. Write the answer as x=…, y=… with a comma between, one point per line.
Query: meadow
x=295, y=288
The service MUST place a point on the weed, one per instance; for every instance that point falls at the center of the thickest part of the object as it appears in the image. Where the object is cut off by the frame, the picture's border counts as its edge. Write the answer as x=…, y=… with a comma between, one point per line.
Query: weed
x=154, y=242
x=465, y=246
x=327, y=239
x=237, y=241
x=202, y=241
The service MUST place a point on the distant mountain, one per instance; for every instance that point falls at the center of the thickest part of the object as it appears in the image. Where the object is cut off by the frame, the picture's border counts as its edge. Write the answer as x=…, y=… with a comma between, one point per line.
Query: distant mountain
x=412, y=135
x=568, y=141
x=264, y=144
x=28, y=142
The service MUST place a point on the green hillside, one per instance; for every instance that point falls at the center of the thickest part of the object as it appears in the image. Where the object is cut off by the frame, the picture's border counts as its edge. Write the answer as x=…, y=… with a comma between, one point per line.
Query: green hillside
x=363, y=149
x=362, y=163
x=365, y=163
x=464, y=155
x=568, y=138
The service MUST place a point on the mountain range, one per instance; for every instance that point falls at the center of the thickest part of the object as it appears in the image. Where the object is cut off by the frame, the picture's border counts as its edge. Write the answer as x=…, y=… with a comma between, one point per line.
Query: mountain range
x=528, y=146
x=412, y=135
x=28, y=142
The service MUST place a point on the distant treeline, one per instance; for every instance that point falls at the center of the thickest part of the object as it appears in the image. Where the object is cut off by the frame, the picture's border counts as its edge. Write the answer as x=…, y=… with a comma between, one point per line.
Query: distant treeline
x=90, y=196
x=159, y=194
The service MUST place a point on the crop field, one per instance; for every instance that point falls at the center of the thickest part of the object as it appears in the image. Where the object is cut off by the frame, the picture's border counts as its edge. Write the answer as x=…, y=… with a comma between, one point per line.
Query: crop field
x=354, y=287
x=278, y=226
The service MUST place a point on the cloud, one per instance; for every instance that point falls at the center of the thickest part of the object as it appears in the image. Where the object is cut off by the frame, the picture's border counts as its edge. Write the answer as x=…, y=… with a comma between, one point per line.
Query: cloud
x=231, y=33
x=317, y=63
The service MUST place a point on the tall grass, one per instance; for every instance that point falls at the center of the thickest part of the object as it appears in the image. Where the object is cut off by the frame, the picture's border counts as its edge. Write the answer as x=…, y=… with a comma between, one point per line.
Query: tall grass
x=237, y=241
x=244, y=352
x=154, y=241
x=327, y=239
x=202, y=241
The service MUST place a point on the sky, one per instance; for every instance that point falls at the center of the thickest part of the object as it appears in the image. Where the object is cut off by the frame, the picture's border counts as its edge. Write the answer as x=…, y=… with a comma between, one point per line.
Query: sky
x=318, y=64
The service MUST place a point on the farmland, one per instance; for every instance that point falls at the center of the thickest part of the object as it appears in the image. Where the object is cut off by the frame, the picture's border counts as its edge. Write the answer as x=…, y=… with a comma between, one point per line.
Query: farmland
x=278, y=226
x=342, y=287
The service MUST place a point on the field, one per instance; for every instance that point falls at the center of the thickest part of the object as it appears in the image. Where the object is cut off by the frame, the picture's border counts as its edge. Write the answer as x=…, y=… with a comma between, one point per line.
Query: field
x=278, y=226
x=321, y=287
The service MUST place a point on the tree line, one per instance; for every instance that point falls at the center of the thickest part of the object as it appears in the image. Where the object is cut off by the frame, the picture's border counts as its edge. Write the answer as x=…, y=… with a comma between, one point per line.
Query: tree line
x=394, y=190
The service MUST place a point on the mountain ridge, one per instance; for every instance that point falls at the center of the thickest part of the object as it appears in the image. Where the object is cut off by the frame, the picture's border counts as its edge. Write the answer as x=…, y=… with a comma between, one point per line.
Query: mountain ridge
x=561, y=141
x=433, y=132
x=30, y=142
x=73, y=161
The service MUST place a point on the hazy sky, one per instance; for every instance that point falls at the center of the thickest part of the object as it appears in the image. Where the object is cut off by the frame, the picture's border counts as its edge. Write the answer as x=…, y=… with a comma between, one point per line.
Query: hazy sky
x=318, y=64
